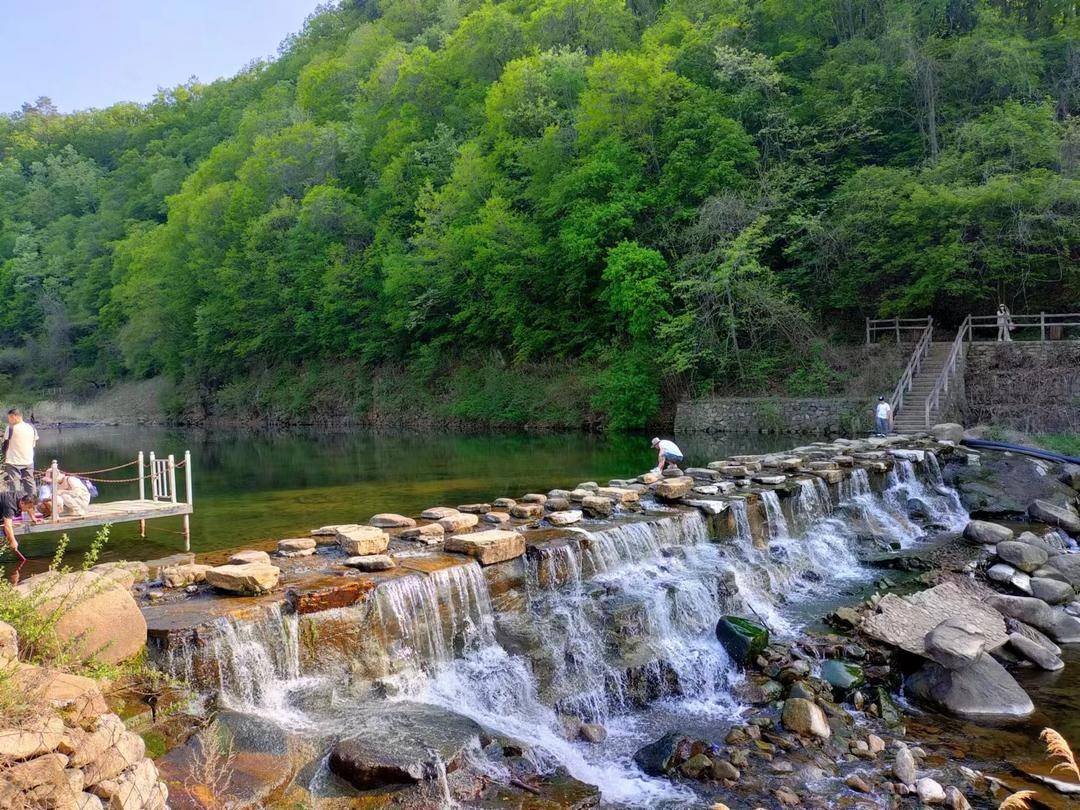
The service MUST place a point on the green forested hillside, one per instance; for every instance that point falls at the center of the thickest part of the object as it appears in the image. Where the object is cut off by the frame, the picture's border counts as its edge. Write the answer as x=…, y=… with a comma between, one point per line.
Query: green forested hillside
x=596, y=199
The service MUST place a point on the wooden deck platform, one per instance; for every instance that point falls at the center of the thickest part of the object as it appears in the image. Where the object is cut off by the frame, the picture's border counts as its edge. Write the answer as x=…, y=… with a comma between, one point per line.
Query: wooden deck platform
x=111, y=512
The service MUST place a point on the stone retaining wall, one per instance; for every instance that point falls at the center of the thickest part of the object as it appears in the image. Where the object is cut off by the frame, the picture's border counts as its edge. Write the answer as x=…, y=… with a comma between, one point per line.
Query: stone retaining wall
x=1033, y=387
x=772, y=415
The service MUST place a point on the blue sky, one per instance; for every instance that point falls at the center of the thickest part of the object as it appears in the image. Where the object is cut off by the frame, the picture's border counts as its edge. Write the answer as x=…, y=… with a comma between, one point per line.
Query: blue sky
x=93, y=54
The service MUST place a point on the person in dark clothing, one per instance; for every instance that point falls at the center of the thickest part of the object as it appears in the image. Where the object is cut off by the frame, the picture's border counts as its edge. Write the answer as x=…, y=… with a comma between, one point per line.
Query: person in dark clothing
x=13, y=503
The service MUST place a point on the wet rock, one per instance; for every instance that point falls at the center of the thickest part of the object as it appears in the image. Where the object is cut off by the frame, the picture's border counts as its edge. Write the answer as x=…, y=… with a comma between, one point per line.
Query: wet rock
x=955, y=643
x=742, y=639
x=842, y=675
x=1051, y=591
x=845, y=616
x=620, y=495
x=904, y=766
x=296, y=546
x=1065, y=567
x=439, y=512
x=1024, y=556
x=245, y=557
x=1001, y=572
x=180, y=576
x=592, y=732
x=671, y=489
x=856, y=781
x=787, y=797
x=496, y=518
x=389, y=520
x=658, y=758
x=372, y=562
x=430, y=534
x=696, y=766
x=527, y=511
x=929, y=791
x=875, y=744
x=1003, y=485
x=1064, y=516
x=557, y=504
x=398, y=744
x=564, y=518
x=804, y=717
x=904, y=621
x=488, y=547
x=1026, y=630
x=249, y=579
x=596, y=506
x=722, y=769
x=981, y=689
x=984, y=533
x=1053, y=621
x=955, y=799
x=358, y=541
x=1032, y=539
x=1035, y=652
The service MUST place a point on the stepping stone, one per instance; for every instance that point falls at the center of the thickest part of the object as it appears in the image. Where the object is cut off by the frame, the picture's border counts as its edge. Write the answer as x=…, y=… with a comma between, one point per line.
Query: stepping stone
x=458, y=522
x=498, y=518
x=475, y=508
x=488, y=547
x=296, y=547
x=245, y=557
x=362, y=540
x=247, y=579
x=429, y=533
x=372, y=562
x=438, y=512
x=388, y=520
x=565, y=518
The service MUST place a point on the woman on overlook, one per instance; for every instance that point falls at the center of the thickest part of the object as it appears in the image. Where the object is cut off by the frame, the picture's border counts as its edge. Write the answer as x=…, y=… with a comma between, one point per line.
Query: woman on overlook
x=1004, y=324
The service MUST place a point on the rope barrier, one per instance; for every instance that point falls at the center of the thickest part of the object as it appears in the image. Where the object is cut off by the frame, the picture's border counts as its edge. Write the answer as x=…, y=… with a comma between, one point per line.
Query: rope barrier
x=40, y=474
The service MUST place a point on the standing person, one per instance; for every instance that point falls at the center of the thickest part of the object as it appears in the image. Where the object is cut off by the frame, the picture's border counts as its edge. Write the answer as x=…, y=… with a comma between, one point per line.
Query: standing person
x=667, y=452
x=19, y=440
x=1004, y=324
x=12, y=503
x=883, y=417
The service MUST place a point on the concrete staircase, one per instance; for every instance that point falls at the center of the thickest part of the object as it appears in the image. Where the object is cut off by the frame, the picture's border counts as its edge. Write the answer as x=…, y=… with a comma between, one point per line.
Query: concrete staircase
x=910, y=417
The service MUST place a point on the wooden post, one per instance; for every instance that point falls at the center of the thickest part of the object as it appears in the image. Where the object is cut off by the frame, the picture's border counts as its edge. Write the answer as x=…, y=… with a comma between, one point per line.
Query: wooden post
x=172, y=477
x=897, y=322
x=55, y=472
x=190, y=499
x=867, y=331
x=142, y=481
x=153, y=477
x=1042, y=327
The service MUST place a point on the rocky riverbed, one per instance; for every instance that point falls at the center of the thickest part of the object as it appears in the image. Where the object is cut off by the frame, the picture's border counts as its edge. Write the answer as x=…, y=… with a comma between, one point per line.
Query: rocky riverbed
x=655, y=641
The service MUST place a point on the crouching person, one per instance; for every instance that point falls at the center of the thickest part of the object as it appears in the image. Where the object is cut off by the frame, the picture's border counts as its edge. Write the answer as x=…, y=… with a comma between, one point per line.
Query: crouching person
x=72, y=497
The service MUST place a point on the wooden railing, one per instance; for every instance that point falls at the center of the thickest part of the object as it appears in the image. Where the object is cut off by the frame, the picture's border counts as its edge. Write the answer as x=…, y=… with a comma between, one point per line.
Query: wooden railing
x=954, y=364
x=1051, y=326
x=900, y=327
x=921, y=350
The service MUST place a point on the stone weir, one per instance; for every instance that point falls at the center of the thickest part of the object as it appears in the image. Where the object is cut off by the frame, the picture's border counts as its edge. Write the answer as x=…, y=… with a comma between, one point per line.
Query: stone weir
x=538, y=619
x=339, y=584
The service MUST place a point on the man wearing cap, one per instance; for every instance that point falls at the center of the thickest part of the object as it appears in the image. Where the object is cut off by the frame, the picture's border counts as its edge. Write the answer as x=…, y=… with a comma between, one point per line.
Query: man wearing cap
x=667, y=453
x=883, y=417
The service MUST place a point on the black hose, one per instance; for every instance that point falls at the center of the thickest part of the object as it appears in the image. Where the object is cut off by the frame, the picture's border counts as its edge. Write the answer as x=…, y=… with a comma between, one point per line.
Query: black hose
x=982, y=444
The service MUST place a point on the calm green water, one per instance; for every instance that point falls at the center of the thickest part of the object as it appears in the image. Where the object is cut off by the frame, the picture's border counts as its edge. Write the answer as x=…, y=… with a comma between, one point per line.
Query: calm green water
x=255, y=486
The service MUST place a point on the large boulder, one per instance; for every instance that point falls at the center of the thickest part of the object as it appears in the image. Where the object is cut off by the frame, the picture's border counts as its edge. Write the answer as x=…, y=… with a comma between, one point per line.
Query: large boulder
x=488, y=547
x=1035, y=652
x=986, y=533
x=955, y=643
x=97, y=615
x=1024, y=556
x=742, y=639
x=671, y=489
x=981, y=689
x=1002, y=485
x=1064, y=517
x=1053, y=621
x=249, y=579
x=402, y=744
x=948, y=432
x=1051, y=591
x=1066, y=566
x=660, y=757
x=805, y=717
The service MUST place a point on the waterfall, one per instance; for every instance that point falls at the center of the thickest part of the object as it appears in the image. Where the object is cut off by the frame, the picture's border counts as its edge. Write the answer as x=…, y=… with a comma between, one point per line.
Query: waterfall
x=630, y=542
x=430, y=618
x=855, y=485
x=774, y=515
x=254, y=663
x=813, y=501
x=906, y=492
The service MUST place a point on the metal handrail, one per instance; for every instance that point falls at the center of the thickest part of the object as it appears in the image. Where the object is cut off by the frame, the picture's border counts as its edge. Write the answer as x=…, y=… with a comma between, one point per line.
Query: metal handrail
x=953, y=361
x=907, y=379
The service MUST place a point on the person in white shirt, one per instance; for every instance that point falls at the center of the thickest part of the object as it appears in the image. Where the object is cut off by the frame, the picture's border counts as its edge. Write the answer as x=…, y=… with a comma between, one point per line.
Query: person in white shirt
x=69, y=493
x=19, y=440
x=883, y=417
x=667, y=452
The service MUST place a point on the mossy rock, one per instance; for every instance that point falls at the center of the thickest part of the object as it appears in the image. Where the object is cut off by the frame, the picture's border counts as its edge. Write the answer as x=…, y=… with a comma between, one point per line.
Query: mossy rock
x=842, y=675
x=743, y=639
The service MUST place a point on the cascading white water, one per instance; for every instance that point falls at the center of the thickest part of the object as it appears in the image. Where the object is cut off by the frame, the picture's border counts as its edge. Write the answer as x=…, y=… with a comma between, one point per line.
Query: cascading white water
x=776, y=523
x=812, y=503
x=906, y=489
x=854, y=485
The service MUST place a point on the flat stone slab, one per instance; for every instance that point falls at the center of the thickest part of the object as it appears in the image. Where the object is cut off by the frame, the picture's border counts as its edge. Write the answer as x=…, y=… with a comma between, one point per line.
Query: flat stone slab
x=488, y=547
x=564, y=518
x=904, y=621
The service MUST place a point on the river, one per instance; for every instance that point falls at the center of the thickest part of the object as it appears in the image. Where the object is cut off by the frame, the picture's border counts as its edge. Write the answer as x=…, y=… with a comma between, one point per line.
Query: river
x=253, y=486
